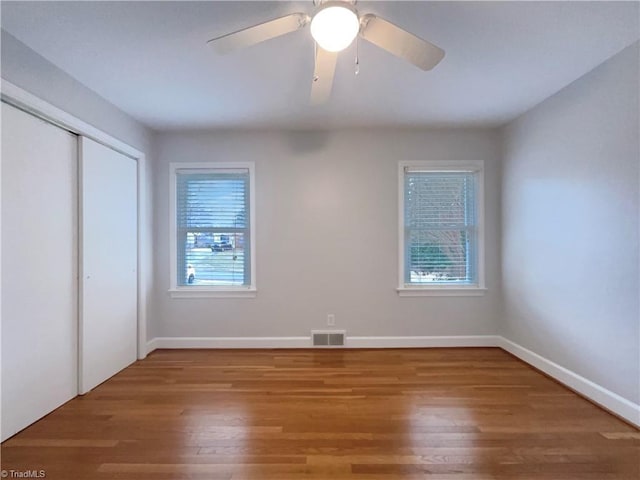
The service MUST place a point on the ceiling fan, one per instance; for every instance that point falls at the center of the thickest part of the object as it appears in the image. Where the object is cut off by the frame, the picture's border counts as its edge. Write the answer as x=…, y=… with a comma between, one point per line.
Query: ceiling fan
x=334, y=25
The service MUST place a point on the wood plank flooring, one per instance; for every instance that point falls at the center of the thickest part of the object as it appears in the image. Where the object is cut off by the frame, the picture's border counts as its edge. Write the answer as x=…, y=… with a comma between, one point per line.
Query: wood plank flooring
x=438, y=414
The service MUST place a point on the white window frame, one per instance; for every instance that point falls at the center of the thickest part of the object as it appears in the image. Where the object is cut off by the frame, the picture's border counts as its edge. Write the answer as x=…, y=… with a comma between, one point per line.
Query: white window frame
x=411, y=290
x=211, y=291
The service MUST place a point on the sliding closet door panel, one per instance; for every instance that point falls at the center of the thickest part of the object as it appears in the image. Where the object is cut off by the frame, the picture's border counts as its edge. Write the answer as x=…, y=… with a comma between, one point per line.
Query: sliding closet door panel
x=109, y=285
x=39, y=269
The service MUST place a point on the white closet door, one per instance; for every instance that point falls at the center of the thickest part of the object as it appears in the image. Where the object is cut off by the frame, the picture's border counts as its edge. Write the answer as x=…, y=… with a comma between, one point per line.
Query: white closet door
x=109, y=285
x=39, y=269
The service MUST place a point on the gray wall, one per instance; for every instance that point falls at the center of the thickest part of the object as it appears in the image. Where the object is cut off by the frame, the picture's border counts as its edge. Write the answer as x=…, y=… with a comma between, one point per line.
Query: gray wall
x=327, y=229
x=571, y=227
x=33, y=73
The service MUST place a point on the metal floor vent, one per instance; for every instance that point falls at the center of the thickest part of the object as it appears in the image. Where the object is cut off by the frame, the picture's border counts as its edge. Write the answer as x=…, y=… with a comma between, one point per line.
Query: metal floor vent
x=328, y=338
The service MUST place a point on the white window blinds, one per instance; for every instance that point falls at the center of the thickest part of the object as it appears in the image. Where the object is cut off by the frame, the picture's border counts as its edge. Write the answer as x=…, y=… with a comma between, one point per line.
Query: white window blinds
x=440, y=227
x=212, y=227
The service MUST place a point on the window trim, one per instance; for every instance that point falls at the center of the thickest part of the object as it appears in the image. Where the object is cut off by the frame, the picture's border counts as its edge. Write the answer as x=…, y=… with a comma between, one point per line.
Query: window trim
x=213, y=291
x=409, y=290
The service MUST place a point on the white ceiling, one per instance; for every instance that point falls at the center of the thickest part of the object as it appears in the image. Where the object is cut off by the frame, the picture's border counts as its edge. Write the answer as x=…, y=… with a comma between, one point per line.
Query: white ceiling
x=150, y=59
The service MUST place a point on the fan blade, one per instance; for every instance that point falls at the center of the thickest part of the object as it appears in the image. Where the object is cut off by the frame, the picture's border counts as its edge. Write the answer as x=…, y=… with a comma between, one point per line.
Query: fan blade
x=323, y=76
x=399, y=42
x=259, y=33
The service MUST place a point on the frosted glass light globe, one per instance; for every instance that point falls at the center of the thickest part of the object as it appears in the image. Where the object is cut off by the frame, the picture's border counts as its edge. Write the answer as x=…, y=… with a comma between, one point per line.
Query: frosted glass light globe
x=335, y=26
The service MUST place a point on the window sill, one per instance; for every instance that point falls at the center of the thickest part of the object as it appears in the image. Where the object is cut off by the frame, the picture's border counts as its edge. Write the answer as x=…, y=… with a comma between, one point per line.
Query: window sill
x=441, y=291
x=188, y=292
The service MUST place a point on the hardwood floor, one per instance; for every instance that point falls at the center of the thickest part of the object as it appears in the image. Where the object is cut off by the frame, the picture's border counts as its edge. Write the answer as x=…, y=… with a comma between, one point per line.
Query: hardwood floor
x=454, y=414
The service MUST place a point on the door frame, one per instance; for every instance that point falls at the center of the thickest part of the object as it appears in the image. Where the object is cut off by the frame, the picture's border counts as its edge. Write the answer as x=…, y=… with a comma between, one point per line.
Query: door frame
x=23, y=100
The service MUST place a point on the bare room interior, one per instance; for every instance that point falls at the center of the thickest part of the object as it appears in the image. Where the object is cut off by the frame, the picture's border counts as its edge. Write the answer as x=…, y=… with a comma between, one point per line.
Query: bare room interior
x=348, y=240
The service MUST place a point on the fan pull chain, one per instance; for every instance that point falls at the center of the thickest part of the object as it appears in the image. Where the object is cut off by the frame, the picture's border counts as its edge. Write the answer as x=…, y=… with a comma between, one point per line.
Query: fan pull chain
x=357, y=57
x=315, y=61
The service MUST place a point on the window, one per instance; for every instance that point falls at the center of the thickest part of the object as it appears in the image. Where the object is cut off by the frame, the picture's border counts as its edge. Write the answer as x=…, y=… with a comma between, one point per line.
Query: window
x=213, y=229
x=441, y=214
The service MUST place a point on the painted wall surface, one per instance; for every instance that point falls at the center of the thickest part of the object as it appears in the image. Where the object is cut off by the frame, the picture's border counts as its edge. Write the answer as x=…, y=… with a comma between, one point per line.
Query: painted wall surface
x=33, y=73
x=327, y=234
x=571, y=227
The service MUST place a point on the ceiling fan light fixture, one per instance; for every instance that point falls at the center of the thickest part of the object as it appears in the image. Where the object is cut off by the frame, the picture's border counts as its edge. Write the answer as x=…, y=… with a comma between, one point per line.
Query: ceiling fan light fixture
x=334, y=26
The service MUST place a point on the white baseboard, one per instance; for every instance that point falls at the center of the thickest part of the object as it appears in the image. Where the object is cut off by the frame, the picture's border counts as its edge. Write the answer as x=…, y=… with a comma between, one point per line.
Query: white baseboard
x=423, y=342
x=598, y=394
x=305, y=342
x=152, y=345
x=228, y=342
